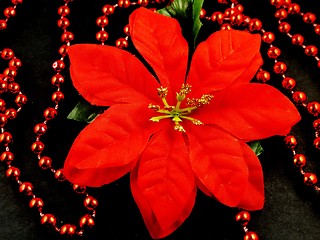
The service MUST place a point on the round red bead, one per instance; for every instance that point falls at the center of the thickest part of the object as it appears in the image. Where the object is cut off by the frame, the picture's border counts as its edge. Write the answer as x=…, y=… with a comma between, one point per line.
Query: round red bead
x=3, y=24
x=299, y=97
x=5, y=138
x=40, y=129
x=45, y=162
x=243, y=218
x=36, y=203
x=314, y=108
x=59, y=175
x=274, y=52
x=63, y=23
x=143, y=2
x=7, y=157
x=263, y=76
x=57, y=96
x=90, y=203
x=255, y=25
x=297, y=39
x=108, y=9
x=288, y=83
x=294, y=8
x=15, y=63
x=86, y=221
x=299, y=160
x=57, y=80
x=58, y=65
x=21, y=100
x=281, y=14
x=68, y=230
x=316, y=124
x=50, y=113
x=124, y=3
x=284, y=27
x=79, y=189
x=102, y=36
x=310, y=179
x=102, y=21
x=290, y=141
x=268, y=37
x=309, y=18
x=122, y=43
x=26, y=188
x=9, y=12
x=311, y=50
x=13, y=172
x=37, y=147
x=63, y=11
x=48, y=219
x=251, y=236
x=7, y=54
x=280, y=67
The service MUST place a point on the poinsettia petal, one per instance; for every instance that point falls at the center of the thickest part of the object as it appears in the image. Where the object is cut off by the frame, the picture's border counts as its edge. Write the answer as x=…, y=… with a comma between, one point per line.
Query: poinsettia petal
x=225, y=57
x=253, y=197
x=109, y=146
x=159, y=40
x=106, y=75
x=251, y=111
x=163, y=183
x=217, y=161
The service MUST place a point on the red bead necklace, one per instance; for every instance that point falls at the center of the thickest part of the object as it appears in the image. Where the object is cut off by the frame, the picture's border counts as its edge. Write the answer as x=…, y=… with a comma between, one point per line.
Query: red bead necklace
x=232, y=17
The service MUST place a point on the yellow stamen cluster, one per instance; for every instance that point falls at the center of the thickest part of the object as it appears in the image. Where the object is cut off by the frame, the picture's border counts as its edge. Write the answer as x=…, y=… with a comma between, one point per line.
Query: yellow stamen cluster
x=176, y=113
x=198, y=102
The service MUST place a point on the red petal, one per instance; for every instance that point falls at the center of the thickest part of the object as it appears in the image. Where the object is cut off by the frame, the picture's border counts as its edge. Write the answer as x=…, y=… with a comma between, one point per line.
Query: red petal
x=217, y=160
x=110, y=146
x=159, y=40
x=163, y=183
x=251, y=111
x=253, y=197
x=225, y=57
x=106, y=75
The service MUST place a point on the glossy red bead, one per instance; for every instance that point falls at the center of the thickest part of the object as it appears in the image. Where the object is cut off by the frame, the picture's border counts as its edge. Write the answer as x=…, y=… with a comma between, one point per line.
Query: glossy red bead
x=226, y=26
x=126, y=30
x=102, y=36
x=86, y=221
x=21, y=100
x=268, y=37
x=68, y=230
x=59, y=175
x=314, y=108
x=26, y=188
x=3, y=24
x=124, y=3
x=316, y=124
x=290, y=141
x=37, y=147
x=13, y=173
x=294, y=8
x=45, y=162
x=57, y=96
x=63, y=23
x=15, y=2
x=5, y=138
x=63, y=50
x=309, y=18
x=237, y=19
x=143, y=2
x=10, y=73
x=3, y=119
x=276, y=3
x=79, y=189
x=250, y=236
x=310, y=179
x=281, y=14
x=64, y=11
x=316, y=143
x=297, y=39
x=7, y=157
x=102, y=21
x=299, y=97
x=58, y=65
x=11, y=113
x=122, y=43
x=67, y=37
x=243, y=218
x=57, y=80
x=36, y=203
x=108, y=9
x=311, y=50
x=317, y=29
x=15, y=63
x=255, y=25
x=40, y=128
x=239, y=7
x=280, y=67
x=14, y=87
x=90, y=203
x=217, y=17
x=202, y=13
x=284, y=27
x=299, y=160
x=274, y=52
x=9, y=12
x=288, y=83
x=50, y=113
x=49, y=220
x=2, y=105
x=263, y=76
x=3, y=86
x=7, y=54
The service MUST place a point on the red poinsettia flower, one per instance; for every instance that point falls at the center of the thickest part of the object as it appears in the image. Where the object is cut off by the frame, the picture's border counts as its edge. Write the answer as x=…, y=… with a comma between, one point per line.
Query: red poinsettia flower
x=177, y=132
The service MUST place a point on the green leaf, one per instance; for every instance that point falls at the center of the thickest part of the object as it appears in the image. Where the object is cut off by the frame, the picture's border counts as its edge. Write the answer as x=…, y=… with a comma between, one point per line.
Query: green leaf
x=256, y=147
x=187, y=12
x=84, y=112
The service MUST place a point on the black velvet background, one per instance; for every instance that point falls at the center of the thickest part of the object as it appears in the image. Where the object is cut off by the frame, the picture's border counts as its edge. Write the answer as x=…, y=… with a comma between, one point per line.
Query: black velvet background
x=292, y=211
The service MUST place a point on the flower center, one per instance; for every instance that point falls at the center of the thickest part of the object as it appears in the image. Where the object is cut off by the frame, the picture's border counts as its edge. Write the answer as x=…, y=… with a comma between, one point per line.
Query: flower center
x=176, y=113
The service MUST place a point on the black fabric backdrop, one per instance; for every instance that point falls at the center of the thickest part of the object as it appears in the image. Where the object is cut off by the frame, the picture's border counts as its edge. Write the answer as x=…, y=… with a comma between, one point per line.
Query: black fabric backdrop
x=292, y=210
